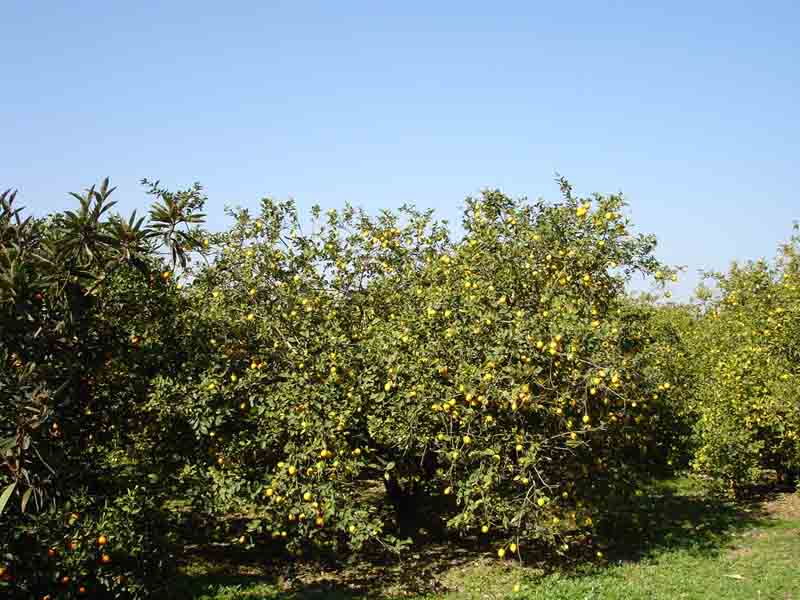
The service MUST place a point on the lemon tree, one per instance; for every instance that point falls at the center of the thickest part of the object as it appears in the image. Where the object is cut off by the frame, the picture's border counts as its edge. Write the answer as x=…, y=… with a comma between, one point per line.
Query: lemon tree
x=518, y=397
x=374, y=377
x=746, y=348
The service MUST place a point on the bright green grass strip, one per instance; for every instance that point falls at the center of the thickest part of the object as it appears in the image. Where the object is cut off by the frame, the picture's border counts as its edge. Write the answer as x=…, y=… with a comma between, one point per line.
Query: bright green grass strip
x=764, y=563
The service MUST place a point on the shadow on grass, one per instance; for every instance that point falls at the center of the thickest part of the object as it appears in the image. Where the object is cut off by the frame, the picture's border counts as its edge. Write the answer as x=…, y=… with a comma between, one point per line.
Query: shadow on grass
x=219, y=587
x=678, y=515
x=418, y=572
x=673, y=516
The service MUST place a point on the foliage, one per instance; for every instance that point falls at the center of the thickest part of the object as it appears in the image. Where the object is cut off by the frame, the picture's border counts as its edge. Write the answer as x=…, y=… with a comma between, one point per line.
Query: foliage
x=78, y=292
x=375, y=381
x=746, y=348
x=672, y=359
x=361, y=382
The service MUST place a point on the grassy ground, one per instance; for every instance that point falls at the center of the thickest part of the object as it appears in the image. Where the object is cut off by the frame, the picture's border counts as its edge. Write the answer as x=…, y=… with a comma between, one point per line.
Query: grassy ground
x=693, y=547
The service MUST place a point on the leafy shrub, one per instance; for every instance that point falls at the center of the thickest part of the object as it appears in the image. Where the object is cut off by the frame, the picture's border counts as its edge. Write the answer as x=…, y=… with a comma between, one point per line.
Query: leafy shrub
x=83, y=549
x=76, y=291
x=671, y=359
x=361, y=385
x=747, y=347
x=496, y=383
x=515, y=377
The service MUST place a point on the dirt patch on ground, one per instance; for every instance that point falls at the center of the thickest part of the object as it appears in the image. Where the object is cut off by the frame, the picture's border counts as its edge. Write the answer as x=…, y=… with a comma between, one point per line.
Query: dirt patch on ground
x=785, y=506
x=742, y=552
x=754, y=534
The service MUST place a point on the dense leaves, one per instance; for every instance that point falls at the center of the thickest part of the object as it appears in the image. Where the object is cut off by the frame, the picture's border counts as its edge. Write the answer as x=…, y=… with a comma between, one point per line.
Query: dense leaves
x=375, y=380
x=81, y=291
x=746, y=344
x=356, y=382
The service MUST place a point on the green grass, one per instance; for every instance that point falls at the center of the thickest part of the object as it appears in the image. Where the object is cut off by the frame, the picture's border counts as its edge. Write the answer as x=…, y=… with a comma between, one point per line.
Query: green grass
x=691, y=547
x=764, y=564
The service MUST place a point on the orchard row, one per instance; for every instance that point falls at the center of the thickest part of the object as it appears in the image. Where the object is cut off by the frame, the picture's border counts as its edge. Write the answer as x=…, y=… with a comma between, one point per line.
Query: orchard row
x=352, y=382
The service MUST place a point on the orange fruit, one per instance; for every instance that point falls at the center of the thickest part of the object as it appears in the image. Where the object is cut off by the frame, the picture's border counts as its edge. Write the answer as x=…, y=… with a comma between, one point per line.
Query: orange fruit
x=105, y=559
x=102, y=540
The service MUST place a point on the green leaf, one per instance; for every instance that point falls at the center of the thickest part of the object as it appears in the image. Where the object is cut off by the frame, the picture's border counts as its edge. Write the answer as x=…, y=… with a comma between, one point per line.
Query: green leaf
x=25, y=498
x=6, y=495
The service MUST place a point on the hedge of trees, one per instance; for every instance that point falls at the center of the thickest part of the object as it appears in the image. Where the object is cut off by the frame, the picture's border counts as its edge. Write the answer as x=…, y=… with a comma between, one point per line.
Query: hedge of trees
x=362, y=382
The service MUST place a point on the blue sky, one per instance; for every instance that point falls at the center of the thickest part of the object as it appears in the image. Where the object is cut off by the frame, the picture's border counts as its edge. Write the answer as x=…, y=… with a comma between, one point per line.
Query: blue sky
x=691, y=108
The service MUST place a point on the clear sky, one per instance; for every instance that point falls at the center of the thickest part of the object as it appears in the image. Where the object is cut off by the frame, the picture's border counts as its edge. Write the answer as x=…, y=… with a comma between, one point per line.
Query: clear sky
x=690, y=108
